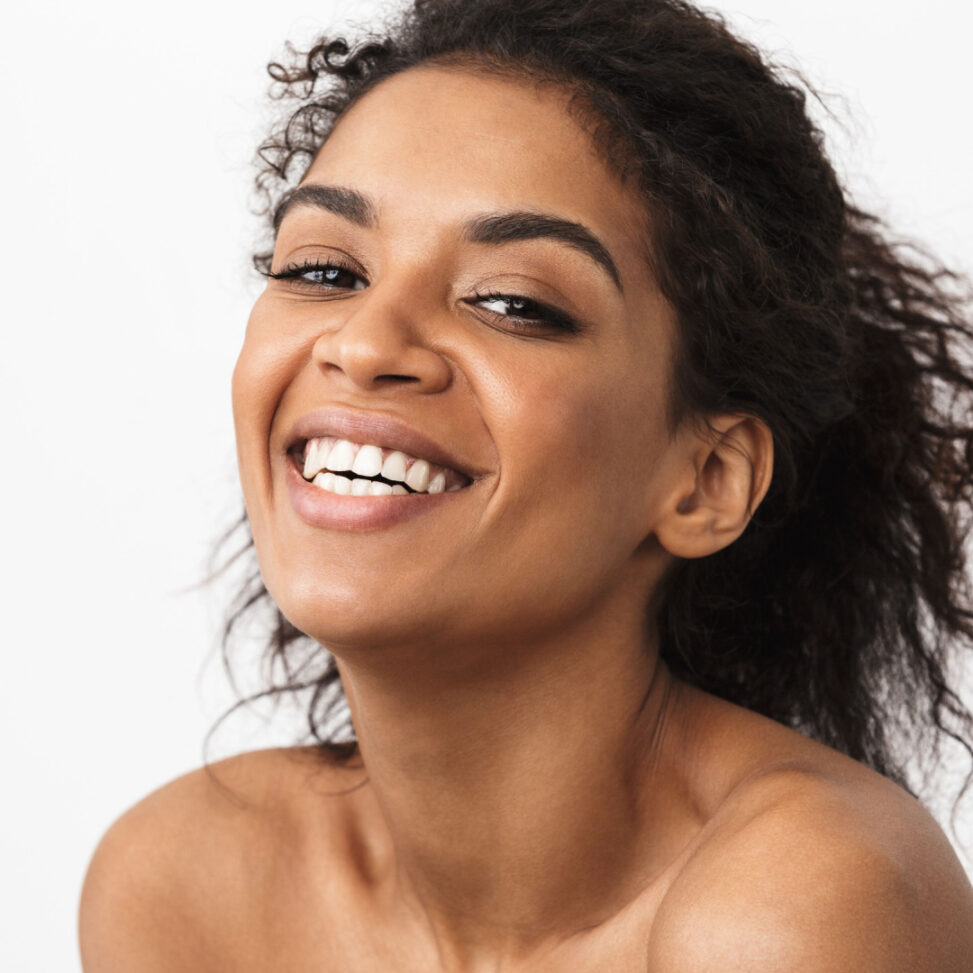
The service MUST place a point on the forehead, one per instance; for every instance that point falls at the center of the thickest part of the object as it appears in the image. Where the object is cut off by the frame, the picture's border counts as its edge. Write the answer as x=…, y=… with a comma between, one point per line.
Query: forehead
x=435, y=143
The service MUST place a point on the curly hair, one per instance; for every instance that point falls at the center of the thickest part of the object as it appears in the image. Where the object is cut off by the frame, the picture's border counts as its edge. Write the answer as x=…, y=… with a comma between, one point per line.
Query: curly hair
x=841, y=609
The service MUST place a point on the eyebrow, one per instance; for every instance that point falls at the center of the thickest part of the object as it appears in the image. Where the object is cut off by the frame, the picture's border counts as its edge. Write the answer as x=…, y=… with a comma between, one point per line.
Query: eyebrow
x=506, y=227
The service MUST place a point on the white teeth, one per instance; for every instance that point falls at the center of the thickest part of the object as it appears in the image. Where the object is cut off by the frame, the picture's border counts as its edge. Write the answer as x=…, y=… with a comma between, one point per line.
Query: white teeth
x=418, y=475
x=342, y=455
x=360, y=487
x=326, y=456
x=368, y=462
x=394, y=466
x=311, y=465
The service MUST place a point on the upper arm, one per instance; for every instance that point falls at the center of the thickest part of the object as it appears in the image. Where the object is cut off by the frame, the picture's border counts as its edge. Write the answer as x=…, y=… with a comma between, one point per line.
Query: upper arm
x=846, y=914
x=168, y=874
x=804, y=887
x=177, y=882
x=132, y=901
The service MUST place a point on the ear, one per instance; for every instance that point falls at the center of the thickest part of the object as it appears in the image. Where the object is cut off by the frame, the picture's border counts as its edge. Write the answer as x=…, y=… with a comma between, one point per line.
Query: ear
x=728, y=467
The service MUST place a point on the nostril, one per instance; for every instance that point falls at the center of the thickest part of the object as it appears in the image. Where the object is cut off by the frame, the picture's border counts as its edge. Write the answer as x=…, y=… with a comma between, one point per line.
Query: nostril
x=372, y=355
x=397, y=378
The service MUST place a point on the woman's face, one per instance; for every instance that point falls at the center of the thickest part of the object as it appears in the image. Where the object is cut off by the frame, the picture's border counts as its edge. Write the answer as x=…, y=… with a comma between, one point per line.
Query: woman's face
x=552, y=411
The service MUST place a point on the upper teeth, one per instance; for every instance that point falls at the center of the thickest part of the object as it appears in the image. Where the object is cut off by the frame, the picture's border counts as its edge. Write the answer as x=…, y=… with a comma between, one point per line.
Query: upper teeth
x=325, y=456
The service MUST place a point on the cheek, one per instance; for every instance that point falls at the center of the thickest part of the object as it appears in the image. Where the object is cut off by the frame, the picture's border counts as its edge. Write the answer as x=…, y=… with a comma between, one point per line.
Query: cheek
x=602, y=432
x=577, y=445
x=265, y=367
x=568, y=511
x=267, y=363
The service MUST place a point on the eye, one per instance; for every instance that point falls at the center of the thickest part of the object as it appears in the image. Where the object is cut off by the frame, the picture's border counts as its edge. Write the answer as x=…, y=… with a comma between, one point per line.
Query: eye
x=318, y=276
x=525, y=314
x=513, y=311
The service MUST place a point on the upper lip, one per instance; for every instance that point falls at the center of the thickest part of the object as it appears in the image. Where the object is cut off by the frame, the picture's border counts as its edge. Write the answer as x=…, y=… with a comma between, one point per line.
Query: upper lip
x=380, y=429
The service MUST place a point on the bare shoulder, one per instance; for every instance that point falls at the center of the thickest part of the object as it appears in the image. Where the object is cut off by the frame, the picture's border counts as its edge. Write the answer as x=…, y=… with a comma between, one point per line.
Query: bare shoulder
x=818, y=864
x=179, y=873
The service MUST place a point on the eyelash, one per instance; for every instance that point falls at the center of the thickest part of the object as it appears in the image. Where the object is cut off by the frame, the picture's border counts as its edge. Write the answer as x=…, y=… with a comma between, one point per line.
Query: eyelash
x=549, y=316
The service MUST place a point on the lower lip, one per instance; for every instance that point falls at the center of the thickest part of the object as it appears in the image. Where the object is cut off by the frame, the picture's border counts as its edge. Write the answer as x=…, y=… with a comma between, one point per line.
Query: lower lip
x=321, y=508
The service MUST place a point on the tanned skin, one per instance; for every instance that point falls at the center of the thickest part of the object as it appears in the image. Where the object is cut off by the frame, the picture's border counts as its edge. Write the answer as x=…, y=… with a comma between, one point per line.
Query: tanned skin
x=535, y=792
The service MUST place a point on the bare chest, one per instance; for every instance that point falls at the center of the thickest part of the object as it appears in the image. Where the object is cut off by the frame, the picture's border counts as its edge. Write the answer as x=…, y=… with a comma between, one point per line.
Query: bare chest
x=289, y=938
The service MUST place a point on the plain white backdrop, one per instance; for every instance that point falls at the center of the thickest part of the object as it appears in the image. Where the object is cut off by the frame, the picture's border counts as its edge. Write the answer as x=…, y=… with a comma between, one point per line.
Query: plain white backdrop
x=128, y=135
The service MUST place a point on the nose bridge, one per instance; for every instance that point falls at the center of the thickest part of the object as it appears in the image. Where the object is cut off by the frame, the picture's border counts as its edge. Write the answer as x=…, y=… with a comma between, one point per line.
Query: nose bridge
x=384, y=339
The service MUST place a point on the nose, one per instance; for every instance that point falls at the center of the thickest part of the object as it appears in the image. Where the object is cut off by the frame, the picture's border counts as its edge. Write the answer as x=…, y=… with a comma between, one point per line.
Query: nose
x=381, y=345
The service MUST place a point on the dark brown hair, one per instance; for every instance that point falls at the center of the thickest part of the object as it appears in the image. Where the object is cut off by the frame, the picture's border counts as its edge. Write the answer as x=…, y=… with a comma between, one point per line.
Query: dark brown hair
x=839, y=609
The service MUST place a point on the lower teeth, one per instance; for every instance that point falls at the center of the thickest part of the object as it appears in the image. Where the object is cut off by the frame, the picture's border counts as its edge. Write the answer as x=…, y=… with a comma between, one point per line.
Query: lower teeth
x=343, y=486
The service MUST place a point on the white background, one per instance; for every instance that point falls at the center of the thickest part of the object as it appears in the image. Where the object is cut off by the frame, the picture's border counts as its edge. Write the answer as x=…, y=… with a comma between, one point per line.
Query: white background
x=127, y=139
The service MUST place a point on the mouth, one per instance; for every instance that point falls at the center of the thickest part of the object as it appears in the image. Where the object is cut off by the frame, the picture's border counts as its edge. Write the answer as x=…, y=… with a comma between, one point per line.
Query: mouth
x=362, y=469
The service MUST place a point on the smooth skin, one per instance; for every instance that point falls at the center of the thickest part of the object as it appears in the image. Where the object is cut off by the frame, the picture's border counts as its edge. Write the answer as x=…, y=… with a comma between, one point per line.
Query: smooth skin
x=540, y=794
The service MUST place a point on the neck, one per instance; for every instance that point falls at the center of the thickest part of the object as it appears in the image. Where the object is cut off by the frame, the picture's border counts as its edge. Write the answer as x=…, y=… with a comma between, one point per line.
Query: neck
x=526, y=800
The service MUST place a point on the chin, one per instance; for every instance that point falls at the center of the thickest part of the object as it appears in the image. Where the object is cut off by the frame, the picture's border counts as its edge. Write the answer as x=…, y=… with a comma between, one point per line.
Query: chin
x=344, y=618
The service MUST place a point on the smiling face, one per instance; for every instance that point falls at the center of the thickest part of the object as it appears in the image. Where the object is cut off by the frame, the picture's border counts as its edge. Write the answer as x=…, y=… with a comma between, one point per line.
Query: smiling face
x=527, y=356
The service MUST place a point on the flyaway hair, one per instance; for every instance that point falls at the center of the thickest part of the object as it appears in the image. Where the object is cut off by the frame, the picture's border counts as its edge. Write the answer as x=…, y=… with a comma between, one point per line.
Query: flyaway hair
x=844, y=610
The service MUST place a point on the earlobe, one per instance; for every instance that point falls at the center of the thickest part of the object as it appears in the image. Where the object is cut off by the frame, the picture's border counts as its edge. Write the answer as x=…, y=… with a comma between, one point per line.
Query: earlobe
x=726, y=474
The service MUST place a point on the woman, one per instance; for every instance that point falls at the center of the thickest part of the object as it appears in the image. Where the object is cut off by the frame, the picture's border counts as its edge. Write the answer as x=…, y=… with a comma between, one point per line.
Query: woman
x=619, y=464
